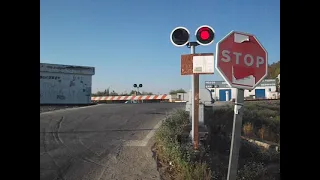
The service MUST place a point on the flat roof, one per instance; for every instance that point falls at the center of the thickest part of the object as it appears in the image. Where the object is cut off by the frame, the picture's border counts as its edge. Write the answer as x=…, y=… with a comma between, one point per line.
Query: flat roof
x=67, y=69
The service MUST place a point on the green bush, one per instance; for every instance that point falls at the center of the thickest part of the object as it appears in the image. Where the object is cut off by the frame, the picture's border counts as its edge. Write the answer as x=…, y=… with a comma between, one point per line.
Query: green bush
x=180, y=154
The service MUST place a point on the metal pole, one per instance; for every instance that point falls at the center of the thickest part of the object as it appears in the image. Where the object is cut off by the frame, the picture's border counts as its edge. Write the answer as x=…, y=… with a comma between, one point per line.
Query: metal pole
x=195, y=103
x=192, y=48
x=138, y=95
x=236, y=136
x=196, y=110
x=215, y=92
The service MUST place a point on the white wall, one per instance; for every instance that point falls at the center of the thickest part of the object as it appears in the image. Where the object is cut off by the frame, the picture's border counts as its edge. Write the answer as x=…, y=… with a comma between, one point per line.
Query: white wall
x=247, y=93
x=268, y=89
x=204, y=96
x=184, y=96
x=58, y=88
x=269, y=94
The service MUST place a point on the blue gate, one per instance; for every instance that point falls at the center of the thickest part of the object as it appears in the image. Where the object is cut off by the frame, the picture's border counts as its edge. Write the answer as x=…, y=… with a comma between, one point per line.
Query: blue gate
x=222, y=94
x=260, y=93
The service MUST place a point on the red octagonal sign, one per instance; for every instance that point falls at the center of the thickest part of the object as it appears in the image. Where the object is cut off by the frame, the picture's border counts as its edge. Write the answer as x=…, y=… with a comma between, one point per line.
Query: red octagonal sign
x=241, y=60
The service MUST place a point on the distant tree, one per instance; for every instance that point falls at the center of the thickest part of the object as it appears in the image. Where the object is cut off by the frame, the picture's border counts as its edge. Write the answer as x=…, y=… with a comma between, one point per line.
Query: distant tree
x=273, y=70
x=123, y=94
x=146, y=93
x=99, y=93
x=106, y=92
x=177, y=91
x=132, y=92
x=113, y=93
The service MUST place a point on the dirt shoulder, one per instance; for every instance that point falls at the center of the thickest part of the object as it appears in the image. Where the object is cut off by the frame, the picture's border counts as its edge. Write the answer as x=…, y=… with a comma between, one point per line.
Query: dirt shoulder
x=132, y=163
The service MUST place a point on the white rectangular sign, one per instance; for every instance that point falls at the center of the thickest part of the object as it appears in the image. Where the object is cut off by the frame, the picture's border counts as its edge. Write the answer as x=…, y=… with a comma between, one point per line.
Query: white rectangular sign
x=203, y=64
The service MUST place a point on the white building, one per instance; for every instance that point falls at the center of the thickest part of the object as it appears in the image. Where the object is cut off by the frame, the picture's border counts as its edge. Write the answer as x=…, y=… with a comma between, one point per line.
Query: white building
x=65, y=84
x=221, y=90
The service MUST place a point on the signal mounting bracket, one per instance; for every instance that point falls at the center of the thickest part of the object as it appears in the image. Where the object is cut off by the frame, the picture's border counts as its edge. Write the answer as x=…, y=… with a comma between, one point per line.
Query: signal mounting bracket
x=192, y=44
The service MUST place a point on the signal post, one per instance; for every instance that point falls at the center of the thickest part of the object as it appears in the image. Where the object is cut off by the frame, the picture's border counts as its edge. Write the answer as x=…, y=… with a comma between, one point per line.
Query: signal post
x=195, y=64
x=137, y=86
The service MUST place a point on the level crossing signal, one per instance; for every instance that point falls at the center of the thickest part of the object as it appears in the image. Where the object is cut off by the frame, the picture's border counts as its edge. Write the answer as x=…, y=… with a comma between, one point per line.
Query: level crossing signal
x=205, y=35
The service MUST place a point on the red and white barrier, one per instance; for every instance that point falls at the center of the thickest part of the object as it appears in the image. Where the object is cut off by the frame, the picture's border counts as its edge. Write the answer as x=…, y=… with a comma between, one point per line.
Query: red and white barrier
x=123, y=98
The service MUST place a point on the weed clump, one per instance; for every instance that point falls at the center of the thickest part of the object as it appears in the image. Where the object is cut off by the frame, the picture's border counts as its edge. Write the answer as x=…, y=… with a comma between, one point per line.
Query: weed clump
x=175, y=150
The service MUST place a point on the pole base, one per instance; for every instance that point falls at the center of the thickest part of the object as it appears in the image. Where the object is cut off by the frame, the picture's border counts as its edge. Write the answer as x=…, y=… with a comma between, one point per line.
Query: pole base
x=203, y=133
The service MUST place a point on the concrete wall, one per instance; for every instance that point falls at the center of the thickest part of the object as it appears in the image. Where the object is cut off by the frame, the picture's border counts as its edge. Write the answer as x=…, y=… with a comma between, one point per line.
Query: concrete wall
x=63, y=84
x=268, y=84
x=270, y=91
x=183, y=96
x=204, y=96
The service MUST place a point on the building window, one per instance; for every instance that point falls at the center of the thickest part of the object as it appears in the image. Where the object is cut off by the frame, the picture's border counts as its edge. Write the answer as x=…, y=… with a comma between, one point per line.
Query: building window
x=269, y=89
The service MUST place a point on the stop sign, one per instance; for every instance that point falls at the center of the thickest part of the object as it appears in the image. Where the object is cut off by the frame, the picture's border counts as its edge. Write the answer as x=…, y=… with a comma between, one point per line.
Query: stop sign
x=241, y=60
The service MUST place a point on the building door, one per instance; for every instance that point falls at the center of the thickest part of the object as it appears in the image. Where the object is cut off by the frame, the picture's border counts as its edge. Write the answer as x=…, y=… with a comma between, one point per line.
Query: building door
x=222, y=94
x=260, y=93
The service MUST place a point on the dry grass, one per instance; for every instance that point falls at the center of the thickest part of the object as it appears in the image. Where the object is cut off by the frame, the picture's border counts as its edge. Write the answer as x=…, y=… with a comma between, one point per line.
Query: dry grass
x=261, y=121
x=177, y=159
x=248, y=129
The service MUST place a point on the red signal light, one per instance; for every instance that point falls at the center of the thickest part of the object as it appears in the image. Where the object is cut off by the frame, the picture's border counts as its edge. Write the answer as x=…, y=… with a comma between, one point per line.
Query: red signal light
x=205, y=35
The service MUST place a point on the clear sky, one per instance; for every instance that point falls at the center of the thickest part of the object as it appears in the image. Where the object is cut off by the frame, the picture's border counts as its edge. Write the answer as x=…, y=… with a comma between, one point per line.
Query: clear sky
x=127, y=41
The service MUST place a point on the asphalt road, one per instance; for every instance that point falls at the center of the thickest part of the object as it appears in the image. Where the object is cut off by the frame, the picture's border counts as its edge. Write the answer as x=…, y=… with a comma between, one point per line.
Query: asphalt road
x=78, y=144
